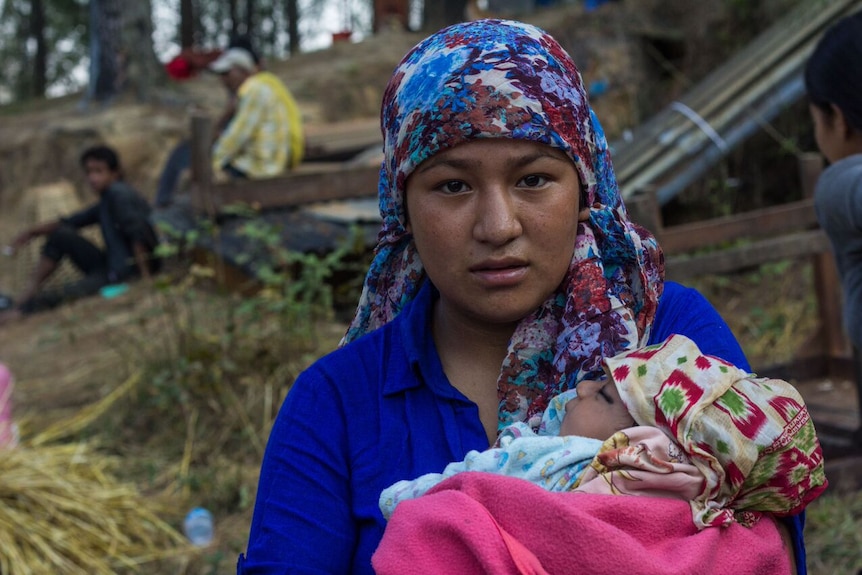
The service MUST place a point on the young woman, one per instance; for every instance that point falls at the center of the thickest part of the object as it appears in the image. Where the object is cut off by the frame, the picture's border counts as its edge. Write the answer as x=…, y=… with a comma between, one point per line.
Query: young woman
x=506, y=269
x=833, y=79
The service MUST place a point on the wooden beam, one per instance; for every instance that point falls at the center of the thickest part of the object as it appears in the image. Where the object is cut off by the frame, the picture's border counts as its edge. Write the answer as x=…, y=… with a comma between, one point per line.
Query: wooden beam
x=773, y=249
x=293, y=189
x=761, y=223
x=343, y=138
x=827, y=284
x=201, y=152
x=644, y=210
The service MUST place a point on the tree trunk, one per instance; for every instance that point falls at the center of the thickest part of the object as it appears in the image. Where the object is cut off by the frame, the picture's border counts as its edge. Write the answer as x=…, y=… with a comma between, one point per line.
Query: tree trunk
x=234, y=18
x=187, y=23
x=291, y=8
x=391, y=14
x=250, y=29
x=105, y=26
x=40, y=61
x=141, y=70
x=436, y=15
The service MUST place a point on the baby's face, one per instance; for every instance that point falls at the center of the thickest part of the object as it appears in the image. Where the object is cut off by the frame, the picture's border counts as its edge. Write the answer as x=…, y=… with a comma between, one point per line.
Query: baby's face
x=597, y=412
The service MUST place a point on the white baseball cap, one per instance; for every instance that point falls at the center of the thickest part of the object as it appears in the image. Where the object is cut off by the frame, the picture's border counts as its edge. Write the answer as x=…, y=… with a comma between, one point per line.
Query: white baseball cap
x=234, y=57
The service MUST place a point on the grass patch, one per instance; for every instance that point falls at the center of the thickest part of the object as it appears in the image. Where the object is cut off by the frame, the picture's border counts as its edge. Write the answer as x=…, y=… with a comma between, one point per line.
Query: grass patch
x=833, y=535
x=771, y=315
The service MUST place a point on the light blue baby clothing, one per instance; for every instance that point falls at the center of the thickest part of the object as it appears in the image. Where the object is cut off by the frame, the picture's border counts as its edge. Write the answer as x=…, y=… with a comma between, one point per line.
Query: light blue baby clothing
x=543, y=458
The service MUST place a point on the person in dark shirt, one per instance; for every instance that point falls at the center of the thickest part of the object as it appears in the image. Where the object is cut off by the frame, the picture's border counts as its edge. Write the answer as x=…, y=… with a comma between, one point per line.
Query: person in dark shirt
x=129, y=239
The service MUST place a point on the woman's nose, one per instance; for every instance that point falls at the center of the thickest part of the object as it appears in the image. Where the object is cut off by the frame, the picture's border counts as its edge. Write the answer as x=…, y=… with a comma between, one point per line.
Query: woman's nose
x=496, y=218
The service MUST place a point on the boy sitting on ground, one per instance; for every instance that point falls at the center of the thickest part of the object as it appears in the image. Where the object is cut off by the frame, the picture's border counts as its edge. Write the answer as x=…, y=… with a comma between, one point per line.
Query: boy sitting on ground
x=129, y=239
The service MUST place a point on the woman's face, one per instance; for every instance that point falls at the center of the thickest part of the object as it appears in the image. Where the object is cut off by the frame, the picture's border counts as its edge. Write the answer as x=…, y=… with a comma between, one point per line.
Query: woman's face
x=494, y=222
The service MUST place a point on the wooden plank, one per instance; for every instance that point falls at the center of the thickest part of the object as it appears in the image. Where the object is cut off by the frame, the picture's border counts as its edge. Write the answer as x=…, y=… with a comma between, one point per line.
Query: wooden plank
x=761, y=223
x=293, y=189
x=799, y=369
x=343, y=138
x=827, y=284
x=644, y=210
x=201, y=165
x=773, y=249
x=845, y=473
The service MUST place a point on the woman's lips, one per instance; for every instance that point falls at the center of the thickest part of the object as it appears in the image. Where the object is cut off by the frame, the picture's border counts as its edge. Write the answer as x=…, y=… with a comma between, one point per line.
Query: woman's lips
x=500, y=274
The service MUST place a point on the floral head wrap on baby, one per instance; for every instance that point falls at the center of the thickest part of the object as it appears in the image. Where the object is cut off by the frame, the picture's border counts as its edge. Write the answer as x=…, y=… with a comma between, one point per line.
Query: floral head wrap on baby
x=505, y=79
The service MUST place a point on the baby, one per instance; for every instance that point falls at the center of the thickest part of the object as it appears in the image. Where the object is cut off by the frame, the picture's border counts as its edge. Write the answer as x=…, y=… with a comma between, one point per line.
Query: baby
x=667, y=421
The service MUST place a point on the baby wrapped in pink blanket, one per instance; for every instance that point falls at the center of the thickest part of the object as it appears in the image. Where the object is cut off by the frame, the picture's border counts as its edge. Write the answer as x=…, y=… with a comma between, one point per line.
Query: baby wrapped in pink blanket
x=728, y=443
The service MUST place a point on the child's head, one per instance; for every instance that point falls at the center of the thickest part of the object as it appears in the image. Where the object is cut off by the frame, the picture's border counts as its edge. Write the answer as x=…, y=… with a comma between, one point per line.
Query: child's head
x=101, y=166
x=598, y=411
x=833, y=80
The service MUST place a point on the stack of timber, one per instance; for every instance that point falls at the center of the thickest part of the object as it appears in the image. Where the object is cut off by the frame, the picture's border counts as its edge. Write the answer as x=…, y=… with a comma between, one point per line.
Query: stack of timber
x=328, y=202
x=675, y=147
x=314, y=181
x=341, y=141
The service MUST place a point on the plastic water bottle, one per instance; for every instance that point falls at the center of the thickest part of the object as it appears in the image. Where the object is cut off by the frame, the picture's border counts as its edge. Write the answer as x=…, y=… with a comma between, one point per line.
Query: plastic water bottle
x=198, y=527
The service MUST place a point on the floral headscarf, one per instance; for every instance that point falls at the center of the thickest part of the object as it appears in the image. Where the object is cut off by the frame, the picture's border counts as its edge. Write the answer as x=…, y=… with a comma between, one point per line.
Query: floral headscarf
x=505, y=79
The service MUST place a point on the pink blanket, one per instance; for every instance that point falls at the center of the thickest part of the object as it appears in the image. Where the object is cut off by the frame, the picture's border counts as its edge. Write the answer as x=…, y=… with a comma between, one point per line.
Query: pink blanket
x=484, y=523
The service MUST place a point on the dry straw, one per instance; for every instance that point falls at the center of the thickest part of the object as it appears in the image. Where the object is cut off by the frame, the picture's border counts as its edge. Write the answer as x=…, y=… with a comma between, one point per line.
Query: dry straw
x=63, y=511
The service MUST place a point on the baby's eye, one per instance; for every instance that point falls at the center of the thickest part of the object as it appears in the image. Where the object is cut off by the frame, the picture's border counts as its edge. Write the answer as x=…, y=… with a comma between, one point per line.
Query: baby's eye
x=533, y=181
x=604, y=395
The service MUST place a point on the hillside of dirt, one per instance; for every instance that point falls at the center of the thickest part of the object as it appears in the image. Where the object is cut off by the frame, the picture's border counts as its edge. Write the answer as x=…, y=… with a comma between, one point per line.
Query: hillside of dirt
x=199, y=443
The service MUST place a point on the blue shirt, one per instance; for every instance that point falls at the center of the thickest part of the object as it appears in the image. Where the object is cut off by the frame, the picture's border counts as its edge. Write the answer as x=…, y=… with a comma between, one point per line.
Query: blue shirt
x=381, y=410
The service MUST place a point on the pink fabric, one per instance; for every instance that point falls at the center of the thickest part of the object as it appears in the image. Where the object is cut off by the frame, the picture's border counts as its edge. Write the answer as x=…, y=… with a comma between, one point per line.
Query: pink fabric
x=7, y=432
x=484, y=523
x=642, y=461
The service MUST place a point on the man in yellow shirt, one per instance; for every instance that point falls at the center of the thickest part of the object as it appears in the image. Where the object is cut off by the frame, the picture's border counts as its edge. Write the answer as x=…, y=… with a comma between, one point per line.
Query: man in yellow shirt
x=264, y=137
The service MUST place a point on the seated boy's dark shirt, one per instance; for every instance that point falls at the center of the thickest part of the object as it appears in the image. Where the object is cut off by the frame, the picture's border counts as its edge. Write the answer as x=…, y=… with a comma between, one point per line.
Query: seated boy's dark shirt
x=124, y=218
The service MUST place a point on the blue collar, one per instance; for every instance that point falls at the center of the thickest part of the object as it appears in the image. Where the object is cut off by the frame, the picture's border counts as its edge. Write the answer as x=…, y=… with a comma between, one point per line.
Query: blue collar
x=414, y=330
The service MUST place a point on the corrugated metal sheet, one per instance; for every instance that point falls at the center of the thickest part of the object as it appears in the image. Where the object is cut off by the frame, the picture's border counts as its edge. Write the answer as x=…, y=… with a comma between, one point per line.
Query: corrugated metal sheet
x=675, y=147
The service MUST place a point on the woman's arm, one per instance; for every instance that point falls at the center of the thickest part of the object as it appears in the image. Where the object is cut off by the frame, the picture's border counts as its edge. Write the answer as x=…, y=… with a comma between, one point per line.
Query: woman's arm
x=302, y=521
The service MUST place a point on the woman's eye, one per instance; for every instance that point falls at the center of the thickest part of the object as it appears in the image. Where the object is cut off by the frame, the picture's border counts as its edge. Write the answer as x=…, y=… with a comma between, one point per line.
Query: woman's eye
x=453, y=187
x=533, y=181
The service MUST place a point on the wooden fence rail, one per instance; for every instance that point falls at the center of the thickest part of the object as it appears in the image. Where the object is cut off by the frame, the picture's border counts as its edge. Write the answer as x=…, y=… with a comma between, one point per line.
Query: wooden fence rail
x=788, y=231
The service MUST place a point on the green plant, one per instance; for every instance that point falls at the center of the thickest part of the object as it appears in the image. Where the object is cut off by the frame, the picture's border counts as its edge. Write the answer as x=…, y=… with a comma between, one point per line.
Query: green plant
x=217, y=365
x=771, y=317
x=833, y=534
